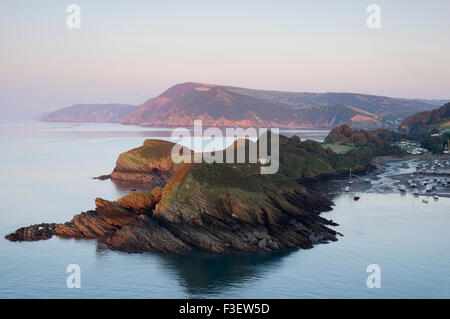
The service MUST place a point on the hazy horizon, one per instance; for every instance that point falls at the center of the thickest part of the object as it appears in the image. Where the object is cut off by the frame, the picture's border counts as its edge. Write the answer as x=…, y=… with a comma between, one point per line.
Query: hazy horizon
x=127, y=53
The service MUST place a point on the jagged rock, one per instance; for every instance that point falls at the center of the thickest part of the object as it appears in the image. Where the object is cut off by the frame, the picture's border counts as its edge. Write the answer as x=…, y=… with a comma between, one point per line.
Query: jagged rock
x=259, y=234
x=33, y=233
x=103, y=177
x=141, y=202
x=262, y=243
x=145, y=234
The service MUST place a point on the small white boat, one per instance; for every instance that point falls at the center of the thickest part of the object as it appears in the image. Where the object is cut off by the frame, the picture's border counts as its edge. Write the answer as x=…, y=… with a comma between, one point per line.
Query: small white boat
x=402, y=188
x=347, y=189
x=428, y=188
x=435, y=196
x=416, y=192
x=356, y=197
x=413, y=185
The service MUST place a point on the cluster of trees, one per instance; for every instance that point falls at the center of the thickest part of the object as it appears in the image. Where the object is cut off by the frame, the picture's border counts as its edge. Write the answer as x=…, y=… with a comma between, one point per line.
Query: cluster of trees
x=436, y=144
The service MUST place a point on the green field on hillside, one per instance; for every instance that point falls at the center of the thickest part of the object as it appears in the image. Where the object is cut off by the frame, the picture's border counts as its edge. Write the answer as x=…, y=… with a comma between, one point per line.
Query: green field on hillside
x=339, y=148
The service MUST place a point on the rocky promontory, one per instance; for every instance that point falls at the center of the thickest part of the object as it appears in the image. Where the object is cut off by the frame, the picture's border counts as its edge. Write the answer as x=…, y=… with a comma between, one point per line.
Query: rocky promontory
x=149, y=165
x=214, y=207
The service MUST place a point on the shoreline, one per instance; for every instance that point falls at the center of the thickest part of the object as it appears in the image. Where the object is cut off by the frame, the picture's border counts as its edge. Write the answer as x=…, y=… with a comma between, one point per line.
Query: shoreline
x=390, y=158
x=335, y=186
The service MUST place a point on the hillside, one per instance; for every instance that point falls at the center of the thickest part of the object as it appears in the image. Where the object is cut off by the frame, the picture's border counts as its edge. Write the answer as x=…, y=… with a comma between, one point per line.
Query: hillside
x=89, y=113
x=227, y=106
x=220, y=105
x=373, y=143
x=381, y=110
x=424, y=121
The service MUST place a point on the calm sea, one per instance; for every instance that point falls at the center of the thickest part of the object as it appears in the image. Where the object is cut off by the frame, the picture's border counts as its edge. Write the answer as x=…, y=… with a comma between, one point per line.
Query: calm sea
x=46, y=175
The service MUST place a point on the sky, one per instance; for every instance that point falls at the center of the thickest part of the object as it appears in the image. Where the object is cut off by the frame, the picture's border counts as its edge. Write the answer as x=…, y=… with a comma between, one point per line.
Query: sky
x=129, y=51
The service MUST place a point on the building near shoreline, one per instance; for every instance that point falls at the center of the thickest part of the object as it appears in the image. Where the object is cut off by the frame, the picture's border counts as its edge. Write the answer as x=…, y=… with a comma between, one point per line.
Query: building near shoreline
x=411, y=147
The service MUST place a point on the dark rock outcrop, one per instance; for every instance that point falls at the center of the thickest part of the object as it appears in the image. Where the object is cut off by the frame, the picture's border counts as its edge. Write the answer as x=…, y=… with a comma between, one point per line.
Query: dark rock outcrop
x=218, y=224
x=33, y=232
x=103, y=177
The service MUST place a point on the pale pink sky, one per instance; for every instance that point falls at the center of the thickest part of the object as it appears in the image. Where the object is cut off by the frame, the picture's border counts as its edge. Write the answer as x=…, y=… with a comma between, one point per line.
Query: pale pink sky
x=127, y=52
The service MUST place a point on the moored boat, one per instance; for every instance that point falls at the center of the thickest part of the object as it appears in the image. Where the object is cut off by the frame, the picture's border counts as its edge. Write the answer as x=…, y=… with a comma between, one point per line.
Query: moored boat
x=350, y=181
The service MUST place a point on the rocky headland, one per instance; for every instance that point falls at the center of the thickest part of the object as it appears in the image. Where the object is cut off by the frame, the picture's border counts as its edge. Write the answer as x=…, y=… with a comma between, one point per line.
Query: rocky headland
x=214, y=207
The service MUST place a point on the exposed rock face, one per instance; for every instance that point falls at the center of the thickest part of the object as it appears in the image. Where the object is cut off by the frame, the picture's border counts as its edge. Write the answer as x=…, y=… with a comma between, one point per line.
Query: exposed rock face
x=250, y=216
x=103, y=177
x=219, y=223
x=141, y=202
x=33, y=233
x=150, y=165
x=146, y=234
x=214, y=207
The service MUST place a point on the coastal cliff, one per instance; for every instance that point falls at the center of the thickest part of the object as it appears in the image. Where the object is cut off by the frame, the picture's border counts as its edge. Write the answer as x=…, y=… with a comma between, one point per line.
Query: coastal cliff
x=149, y=165
x=214, y=207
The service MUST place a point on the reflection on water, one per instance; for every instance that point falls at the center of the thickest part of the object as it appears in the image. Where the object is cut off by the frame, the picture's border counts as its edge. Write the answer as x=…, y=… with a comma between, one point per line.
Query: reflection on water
x=202, y=273
x=101, y=248
x=42, y=130
x=125, y=187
